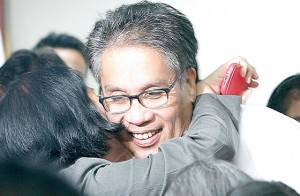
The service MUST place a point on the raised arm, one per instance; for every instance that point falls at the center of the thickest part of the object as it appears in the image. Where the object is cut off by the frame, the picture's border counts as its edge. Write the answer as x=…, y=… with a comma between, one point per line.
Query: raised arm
x=212, y=133
x=212, y=83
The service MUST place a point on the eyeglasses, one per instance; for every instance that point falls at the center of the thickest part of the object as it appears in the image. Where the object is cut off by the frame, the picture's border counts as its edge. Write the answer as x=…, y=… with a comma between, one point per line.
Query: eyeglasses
x=151, y=99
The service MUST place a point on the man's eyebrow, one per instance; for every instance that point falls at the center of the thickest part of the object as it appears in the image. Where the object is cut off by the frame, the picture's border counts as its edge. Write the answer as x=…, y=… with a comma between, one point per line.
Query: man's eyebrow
x=111, y=88
x=158, y=83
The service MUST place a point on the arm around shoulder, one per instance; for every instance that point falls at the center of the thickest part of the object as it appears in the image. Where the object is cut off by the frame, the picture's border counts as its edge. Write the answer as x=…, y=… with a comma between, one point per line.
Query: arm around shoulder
x=212, y=133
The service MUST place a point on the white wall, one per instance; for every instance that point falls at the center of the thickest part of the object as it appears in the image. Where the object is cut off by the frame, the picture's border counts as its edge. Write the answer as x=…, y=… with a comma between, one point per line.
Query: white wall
x=2, y=53
x=265, y=32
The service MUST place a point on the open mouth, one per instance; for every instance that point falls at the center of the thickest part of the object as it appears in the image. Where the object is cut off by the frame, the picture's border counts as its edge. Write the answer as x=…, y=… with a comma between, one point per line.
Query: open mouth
x=144, y=136
x=146, y=139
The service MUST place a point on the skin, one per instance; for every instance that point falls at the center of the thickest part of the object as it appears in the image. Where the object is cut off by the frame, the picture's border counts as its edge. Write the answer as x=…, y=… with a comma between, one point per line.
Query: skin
x=119, y=77
x=73, y=59
x=294, y=106
x=122, y=74
x=294, y=110
x=118, y=152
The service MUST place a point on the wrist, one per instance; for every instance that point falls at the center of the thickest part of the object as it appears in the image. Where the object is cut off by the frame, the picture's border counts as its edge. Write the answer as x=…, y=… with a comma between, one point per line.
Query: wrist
x=203, y=87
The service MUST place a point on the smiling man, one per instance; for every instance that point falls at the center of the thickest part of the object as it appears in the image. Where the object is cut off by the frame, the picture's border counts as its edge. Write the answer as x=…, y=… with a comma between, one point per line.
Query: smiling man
x=144, y=56
x=160, y=108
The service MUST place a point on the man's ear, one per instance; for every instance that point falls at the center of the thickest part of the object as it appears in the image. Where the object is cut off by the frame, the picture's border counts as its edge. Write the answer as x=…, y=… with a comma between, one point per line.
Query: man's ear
x=190, y=80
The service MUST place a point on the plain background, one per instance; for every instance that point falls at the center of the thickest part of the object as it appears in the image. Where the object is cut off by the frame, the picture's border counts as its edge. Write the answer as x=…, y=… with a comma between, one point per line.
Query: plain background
x=265, y=32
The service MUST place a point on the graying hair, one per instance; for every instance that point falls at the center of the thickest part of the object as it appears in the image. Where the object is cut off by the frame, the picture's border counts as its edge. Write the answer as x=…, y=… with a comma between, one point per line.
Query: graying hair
x=155, y=25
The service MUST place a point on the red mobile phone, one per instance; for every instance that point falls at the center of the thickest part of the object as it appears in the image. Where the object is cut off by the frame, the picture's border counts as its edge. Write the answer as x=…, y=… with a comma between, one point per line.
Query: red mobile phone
x=233, y=83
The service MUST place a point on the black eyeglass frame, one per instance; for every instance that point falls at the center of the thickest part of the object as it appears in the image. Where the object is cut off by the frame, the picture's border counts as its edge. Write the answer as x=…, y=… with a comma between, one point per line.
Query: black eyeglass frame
x=130, y=97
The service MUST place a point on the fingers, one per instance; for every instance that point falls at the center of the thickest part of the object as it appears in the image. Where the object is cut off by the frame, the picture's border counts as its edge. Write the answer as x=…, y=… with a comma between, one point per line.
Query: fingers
x=253, y=84
x=247, y=71
x=212, y=83
x=251, y=74
x=245, y=66
x=243, y=63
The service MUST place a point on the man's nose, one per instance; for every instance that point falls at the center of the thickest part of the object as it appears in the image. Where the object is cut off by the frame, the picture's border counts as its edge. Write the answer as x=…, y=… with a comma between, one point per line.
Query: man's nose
x=137, y=114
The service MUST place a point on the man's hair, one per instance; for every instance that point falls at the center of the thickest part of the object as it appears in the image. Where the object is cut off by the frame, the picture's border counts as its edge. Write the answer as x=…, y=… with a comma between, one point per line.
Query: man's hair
x=282, y=95
x=207, y=177
x=61, y=40
x=263, y=188
x=46, y=115
x=155, y=25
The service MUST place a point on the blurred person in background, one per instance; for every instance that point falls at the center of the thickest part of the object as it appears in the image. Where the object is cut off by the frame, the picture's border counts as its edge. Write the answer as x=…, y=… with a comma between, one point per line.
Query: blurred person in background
x=286, y=97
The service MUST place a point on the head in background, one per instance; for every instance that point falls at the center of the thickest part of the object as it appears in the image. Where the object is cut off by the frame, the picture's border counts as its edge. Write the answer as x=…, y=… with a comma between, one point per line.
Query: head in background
x=69, y=48
x=207, y=177
x=263, y=188
x=286, y=97
x=47, y=117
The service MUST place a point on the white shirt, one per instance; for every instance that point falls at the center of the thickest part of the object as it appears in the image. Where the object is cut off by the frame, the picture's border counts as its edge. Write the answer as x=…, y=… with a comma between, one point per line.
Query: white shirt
x=269, y=145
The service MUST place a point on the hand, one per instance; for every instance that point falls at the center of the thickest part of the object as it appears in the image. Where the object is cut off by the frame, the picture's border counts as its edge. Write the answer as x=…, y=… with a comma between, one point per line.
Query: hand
x=212, y=83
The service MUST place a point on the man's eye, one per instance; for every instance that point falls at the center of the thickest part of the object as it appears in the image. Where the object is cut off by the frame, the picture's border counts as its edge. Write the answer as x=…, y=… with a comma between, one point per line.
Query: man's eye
x=154, y=94
x=117, y=99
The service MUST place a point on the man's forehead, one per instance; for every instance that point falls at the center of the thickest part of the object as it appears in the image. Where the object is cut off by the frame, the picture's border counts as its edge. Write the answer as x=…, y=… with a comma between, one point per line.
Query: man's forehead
x=138, y=85
x=134, y=76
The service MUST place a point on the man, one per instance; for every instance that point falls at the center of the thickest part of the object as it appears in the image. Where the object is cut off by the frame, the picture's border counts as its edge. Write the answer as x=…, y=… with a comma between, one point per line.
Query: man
x=144, y=57
x=149, y=85
x=211, y=134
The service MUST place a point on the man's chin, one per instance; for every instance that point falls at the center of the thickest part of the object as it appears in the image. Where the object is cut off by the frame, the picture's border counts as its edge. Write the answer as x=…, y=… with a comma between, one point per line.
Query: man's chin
x=145, y=153
x=138, y=151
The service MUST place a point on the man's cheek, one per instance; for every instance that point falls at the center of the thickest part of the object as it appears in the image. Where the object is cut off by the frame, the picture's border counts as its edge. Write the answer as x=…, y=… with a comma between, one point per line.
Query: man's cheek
x=124, y=136
x=114, y=118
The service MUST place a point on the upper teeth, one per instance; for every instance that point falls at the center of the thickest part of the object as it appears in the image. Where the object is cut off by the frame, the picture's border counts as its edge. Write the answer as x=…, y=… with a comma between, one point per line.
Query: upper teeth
x=143, y=136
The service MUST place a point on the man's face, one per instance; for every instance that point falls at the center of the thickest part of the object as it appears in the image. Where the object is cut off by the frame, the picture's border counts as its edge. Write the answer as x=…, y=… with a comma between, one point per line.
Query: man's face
x=133, y=70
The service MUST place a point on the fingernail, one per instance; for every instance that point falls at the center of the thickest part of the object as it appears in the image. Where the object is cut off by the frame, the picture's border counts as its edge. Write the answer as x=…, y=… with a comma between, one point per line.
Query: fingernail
x=249, y=80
